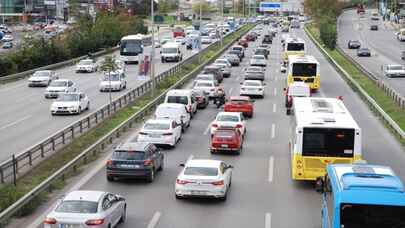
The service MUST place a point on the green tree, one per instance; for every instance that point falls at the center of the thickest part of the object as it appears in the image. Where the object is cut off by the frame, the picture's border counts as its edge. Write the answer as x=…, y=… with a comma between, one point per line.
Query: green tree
x=205, y=8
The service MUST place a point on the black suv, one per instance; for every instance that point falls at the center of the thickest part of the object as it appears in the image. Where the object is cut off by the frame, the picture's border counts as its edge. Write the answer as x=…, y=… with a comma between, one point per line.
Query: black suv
x=135, y=160
x=267, y=39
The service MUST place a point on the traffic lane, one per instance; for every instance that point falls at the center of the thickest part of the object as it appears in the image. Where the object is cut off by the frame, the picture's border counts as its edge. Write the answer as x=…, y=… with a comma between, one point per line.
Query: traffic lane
x=30, y=101
x=379, y=145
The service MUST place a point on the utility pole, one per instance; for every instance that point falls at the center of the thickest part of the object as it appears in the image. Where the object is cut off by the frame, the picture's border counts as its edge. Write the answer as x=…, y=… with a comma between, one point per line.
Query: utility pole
x=152, y=53
x=200, y=44
x=222, y=21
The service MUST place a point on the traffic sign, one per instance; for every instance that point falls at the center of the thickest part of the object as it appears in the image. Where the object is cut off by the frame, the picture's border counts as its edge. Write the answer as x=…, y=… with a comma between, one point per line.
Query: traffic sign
x=270, y=6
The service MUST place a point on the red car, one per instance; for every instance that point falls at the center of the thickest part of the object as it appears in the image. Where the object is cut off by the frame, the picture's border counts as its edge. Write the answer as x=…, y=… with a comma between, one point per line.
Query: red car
x=244, y=43
x=241, y=104
x=178, y=31
x=226, y=139
x=250, y=37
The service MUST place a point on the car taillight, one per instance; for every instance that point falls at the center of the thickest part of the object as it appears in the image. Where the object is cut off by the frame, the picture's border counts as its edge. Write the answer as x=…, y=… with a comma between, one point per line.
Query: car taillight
x=238, y=126
x=143, y=133
x=189, y=108
x=169, y=133
x=94, y=222
x=147, y=162
x=214, y=125
x=179, y=181
x=109, y=162
x=50, y=221
x=218, y=183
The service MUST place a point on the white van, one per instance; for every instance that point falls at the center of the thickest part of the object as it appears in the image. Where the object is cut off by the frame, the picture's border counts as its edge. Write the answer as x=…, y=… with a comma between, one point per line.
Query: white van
x=177, y=112
x=171, y=52
x=182, y=96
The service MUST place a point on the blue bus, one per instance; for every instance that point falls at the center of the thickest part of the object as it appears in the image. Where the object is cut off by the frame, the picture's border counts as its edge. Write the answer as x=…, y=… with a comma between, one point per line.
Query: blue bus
x=362, y=196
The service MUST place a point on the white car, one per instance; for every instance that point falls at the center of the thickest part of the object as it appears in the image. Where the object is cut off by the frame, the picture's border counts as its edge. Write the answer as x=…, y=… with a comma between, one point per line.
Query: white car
x=115, y=81
x=258, y=60
x=160, y=132
x=223, y=61
x=209, y=87
x=204, y=178
x=206, y=40
x=206, y=77
x=393, y=70
x=165, y=39
x=42, y=78
x=229, y=119
x=7, y=38
x=87, y=209
x=180, y=40
x=59, y=86
x=177, y=112
x=225, y=68
x=70, y=103
x=86, y=65
x=252, y=88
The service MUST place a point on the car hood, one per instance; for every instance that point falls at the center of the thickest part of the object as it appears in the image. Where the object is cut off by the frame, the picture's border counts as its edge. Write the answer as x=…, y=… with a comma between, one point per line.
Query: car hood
x=52, y=88
x=38, y=78
x=65, y=103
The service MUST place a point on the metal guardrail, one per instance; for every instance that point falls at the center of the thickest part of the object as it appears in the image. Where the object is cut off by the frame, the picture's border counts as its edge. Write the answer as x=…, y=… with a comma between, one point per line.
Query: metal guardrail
x=53, y=66
x=363, y=93
x=105, y=140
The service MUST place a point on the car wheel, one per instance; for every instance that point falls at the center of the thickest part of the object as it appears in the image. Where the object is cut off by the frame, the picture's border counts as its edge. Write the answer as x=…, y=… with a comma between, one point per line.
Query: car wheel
x=88, y=106
x=151, y=176
x=110, y=178
x=178, y=197
x=124, y=215
x=80, y=110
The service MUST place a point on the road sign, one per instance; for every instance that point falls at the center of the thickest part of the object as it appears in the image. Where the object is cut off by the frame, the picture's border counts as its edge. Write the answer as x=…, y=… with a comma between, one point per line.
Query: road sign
x=270, y=6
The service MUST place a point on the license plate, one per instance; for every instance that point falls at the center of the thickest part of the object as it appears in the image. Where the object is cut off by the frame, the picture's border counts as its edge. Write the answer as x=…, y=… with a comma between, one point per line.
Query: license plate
x=224, y=145
x=129, y=166
x=155, y=135
x=198, y=192
x=69, y=226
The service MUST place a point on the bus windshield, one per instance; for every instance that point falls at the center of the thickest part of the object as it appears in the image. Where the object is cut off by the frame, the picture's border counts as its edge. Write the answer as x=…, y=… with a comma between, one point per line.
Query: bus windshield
x=295, y=47
x=328, y=142
x=131, y=47
x=372, y=216
x=304, y=69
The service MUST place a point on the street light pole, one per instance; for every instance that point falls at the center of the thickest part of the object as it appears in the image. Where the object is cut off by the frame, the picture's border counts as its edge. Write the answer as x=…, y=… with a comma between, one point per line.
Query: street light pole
x=200, y=27
x=222, y=21
x=152, y=53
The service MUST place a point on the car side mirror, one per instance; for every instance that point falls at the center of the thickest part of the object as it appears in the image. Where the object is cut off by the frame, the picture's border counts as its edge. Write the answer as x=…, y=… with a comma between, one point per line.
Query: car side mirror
x=182, y=165
x=230, y=167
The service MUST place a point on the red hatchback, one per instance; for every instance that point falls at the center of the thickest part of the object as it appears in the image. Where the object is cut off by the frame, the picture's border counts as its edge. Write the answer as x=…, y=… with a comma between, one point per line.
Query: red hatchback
x=241, y=104
x=244, y=43
x=227, y=139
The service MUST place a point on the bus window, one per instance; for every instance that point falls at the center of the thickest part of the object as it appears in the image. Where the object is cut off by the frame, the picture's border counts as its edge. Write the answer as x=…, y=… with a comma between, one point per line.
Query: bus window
x=328, y=142
x=304, y=69
x=295, y=47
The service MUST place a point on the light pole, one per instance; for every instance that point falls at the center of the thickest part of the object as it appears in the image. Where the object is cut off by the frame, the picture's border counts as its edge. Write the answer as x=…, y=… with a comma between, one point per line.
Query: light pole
x=152, y=53
x=200, y=27
x=222, y=21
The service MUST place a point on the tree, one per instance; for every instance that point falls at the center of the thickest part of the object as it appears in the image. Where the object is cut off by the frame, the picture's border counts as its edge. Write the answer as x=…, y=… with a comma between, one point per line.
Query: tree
x=166, y=6
x=205, y=8
x=109, y=65
x=320, y=9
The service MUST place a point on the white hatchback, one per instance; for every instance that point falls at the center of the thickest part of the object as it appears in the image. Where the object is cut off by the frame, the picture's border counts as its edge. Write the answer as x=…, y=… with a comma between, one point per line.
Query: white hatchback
x=258, y=60
x=252, y=88
x=160, y=132
x=204, y=178
x=177, y=112
x=229, y=119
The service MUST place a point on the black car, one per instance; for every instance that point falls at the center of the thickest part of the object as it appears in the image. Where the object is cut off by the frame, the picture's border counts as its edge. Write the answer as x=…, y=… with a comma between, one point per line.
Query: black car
x=374, y=27
x=361, y=52
x=215, y=70
x=202, y=98
x=353, y=44
x=267, y=39
x=135, y=160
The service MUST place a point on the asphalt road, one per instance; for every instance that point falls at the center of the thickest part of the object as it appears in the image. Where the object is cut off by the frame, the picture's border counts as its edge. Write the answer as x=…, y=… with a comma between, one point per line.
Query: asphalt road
x=263, y=193
x=25, y=118
x=384, y=46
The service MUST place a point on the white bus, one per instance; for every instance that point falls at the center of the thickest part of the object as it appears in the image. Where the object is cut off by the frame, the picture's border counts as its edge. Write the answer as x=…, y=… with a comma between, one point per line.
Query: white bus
x=132, y=47
x=323, y=132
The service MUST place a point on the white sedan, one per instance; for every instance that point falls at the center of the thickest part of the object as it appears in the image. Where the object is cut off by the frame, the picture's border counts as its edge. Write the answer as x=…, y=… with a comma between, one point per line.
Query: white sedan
x=252, y=88
x=229, y=119
x=86, y=65
x=160, y=132
x=87, y=209
x=70, y=103
x=207, y=86
x=223, y=61
x=59, y=86
x=204, y=178
x=115, y=81
x=258, y=60
x=7, y=38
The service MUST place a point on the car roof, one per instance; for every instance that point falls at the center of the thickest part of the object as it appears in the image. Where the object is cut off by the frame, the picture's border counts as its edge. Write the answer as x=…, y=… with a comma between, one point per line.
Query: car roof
x=133, y=146
x=228, y=113
x=205, y=81
x=93, y=196
x=61, y=80
x=203, y=163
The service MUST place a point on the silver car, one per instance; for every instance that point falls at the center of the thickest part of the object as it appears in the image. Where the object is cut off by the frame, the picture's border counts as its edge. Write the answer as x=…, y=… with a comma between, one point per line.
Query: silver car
x=81, y=209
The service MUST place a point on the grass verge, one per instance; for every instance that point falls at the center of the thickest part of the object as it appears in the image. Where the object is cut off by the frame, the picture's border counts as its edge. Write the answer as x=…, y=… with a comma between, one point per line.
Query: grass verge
x=10, y=193
x=384, y=101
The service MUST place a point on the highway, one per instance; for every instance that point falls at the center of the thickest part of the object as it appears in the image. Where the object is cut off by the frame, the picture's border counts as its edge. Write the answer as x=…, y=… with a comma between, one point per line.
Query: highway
x=25, y=118
x=263, y=193
x=384, y=46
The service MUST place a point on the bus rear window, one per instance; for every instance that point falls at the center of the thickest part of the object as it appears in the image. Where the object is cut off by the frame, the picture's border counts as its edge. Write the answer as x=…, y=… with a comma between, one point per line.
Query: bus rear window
x=371, y=216
x=328, y=142
x=304, y=69
x=295, y=47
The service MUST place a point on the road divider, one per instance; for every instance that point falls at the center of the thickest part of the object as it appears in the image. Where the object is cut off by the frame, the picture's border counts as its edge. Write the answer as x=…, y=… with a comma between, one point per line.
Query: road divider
x=86, y=154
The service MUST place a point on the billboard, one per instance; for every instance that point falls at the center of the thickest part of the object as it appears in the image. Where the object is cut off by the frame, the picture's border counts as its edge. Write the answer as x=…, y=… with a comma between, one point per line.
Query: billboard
x=270, y=6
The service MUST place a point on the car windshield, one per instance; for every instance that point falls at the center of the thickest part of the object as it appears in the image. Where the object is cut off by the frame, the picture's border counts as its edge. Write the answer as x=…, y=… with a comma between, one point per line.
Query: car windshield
x=229, y=118
x=42, y=74
x=157, y=126
x=58, y=84
x=258, y=57
x=86, y=62
x=128, y=155
x=204, y=84
x=201, y=171
x=234, y=52
x=204, y=78
x=395, y=67
x=177, y=99
x=251, y=83
x=260, y=51
x=221, y=61
x=77, y=206
x=363, y=49
x=254, y=69
x=68, y=97
x=112, y=77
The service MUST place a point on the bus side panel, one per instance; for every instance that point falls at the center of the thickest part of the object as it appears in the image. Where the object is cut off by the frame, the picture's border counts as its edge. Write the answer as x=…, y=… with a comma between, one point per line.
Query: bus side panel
x=324, y=214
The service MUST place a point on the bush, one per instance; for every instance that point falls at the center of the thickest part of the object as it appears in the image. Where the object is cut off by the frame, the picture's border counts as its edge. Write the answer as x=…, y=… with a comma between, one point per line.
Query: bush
x=328, y=34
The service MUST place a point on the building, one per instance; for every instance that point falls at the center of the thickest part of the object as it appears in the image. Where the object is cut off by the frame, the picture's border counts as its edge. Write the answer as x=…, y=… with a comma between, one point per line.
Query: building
x=392, y=6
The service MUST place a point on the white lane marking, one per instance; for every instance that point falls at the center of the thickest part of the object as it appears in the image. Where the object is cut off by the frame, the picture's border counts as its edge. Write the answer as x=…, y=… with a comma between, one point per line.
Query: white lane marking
x=155, y=219
x=15, y=122
x=273, y=131
x=271, y=168
x=276, y=78
x=275, y=91
x=230, y=91
x=274, y=107
x=207, y=129
x=267, y=220
x=190, y=158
